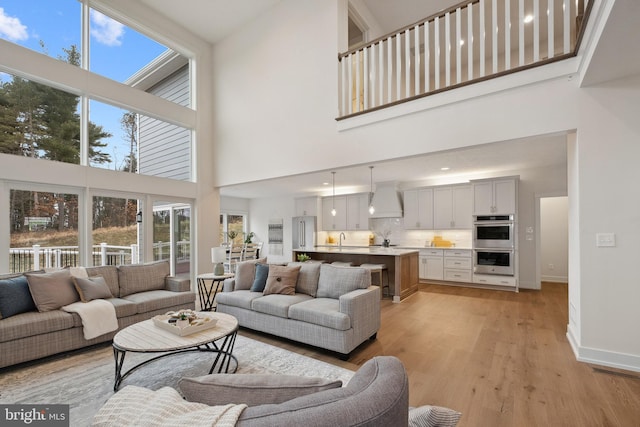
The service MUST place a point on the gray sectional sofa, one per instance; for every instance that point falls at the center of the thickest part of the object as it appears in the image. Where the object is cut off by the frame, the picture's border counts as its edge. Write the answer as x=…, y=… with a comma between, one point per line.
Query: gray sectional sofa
x=330, y=307
x=138, y=292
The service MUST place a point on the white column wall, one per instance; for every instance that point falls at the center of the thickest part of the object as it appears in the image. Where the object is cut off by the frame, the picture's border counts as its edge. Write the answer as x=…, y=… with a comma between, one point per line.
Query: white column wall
x=607, y=171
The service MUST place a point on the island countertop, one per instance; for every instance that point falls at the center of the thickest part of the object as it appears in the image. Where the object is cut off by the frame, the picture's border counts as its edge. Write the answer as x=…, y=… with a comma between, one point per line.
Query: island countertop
x=357, y=250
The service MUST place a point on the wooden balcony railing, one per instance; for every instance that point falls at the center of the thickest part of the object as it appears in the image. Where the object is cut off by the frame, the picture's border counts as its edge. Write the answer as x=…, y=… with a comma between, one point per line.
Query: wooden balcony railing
x=474, y=41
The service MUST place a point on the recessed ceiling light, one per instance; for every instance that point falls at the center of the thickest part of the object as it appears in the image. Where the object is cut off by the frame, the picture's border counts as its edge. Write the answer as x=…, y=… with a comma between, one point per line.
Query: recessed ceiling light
x=325, y=183
x=528, y=18
x=446, y=168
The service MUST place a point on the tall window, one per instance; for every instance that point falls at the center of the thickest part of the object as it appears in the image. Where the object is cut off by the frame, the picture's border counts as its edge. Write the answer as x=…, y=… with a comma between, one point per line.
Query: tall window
x=40, y=121
x=44, y=230
x=115, y=231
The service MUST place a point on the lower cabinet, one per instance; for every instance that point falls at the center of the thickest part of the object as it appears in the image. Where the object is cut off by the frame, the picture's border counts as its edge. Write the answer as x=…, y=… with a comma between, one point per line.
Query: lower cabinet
x=487, y=279
x=431, y=264
x=457, y=265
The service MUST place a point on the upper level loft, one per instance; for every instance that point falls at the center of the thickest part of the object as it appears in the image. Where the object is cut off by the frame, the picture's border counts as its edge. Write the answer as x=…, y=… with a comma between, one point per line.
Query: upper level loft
x=468, y=43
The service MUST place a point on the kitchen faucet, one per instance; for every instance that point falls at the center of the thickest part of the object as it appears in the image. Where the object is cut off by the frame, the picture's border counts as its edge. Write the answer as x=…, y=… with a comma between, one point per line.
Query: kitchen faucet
x=341, y=237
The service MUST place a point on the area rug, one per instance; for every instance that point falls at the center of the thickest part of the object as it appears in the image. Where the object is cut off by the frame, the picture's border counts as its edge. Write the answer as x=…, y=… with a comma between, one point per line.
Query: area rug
x=84, y=380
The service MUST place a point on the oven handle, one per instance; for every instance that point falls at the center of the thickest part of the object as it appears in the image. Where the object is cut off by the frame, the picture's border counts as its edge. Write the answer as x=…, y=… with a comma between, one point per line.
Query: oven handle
x=500, y=250
x=493, y=223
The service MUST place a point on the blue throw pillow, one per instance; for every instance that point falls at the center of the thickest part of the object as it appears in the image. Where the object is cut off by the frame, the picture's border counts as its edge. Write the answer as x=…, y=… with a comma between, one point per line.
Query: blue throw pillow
x=262, y=272
x=15, y=297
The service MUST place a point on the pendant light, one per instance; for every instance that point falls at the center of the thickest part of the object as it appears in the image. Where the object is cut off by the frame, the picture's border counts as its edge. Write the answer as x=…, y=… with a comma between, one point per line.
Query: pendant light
x=372, y=209
x=333, y=200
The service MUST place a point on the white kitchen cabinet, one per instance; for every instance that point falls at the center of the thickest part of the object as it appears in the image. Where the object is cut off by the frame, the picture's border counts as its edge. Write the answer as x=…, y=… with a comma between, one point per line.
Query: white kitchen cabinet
x=457, y=265
x=358, y=212
x=452, y=207
x=338, y=222
x=431, y=264
x=418, y=209
x=495, y=196
x=488, y=279
x=306, y=206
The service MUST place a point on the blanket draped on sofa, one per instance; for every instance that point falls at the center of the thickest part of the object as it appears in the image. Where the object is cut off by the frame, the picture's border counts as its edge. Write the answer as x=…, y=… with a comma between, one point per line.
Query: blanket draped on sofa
x=138, y=406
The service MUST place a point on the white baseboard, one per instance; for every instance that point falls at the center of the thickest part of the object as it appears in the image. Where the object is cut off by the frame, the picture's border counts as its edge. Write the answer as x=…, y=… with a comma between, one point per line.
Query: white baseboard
x=595, y=356
x=558, y=279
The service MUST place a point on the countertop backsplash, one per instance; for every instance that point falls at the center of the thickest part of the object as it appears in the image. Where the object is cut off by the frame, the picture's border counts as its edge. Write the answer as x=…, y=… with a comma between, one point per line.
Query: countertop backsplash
x=398, y=237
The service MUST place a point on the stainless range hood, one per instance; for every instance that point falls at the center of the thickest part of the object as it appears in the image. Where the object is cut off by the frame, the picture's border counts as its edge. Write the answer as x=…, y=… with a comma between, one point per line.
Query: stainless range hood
x=386, y=201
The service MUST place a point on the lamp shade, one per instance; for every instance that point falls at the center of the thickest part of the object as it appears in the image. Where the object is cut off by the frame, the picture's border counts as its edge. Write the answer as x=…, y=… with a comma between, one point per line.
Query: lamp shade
x=218, y=254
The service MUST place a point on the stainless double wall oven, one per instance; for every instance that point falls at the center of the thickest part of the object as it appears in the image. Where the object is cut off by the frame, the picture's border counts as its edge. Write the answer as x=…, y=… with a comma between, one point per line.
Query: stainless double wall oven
x=494, y=244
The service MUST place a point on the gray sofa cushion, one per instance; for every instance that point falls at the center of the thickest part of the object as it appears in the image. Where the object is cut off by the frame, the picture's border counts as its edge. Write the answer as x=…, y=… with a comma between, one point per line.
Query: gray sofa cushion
x=241, y=299
x=335, y=281
x=15, y=297
x=245, y=275
x=277, y=304
x=307, y=277
x=142, y=277
x=50, y=291
x=34, y=323
x=321, y=311
x=123, y=307
x=110, y=274
x=251, y=389
x=91, y=288
x=157, y=300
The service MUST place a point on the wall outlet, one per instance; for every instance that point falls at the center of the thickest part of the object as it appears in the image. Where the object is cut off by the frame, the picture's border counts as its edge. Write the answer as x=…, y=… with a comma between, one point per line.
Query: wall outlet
x=552, y=267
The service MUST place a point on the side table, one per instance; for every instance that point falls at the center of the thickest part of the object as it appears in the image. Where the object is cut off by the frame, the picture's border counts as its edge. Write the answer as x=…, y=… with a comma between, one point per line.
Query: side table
x=208, y=293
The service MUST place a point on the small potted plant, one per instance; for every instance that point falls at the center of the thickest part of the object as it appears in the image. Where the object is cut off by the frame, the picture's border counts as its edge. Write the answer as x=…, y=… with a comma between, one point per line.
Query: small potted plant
x=303, y=257
x=249, y=236
x=183, y=320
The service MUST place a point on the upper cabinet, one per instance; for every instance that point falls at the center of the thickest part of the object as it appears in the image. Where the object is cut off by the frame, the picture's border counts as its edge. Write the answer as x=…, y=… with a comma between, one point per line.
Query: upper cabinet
x=495, y=196
x=307, y=206
x=352, y=213
x=418, y=209
x=452, y=207
x=358, y=212
x=338, y=222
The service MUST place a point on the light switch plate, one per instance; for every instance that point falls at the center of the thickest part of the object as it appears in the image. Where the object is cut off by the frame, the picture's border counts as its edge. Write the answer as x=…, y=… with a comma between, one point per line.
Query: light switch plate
x=529, y=229
x=605, y=240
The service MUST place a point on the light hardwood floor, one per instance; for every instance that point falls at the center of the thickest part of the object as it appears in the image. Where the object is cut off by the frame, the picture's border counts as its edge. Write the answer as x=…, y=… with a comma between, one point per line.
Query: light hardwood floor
x=500, y=358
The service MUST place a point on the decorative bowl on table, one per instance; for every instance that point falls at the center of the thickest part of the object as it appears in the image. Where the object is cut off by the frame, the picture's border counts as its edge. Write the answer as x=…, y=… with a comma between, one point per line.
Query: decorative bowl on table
x=194, y=322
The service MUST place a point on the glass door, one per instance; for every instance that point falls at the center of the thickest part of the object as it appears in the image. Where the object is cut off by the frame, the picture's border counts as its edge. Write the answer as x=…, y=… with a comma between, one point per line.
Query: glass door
x=172, y=235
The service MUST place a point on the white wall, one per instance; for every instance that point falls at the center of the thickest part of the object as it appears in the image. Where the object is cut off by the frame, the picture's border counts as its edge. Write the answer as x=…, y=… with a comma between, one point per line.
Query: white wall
x=554, y=241
x=607, y=169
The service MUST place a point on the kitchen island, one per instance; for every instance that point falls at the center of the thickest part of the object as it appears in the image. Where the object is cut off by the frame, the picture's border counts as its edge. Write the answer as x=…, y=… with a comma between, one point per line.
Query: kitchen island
x=402, y=264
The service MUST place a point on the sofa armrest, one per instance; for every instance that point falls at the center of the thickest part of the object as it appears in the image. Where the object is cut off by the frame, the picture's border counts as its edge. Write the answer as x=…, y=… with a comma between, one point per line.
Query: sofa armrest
x=363, y=308
x=177, y=284
x=229, y=285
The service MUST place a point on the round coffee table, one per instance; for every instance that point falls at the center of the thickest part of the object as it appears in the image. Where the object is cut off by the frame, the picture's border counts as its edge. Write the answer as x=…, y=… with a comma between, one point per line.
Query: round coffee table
x=146, y=337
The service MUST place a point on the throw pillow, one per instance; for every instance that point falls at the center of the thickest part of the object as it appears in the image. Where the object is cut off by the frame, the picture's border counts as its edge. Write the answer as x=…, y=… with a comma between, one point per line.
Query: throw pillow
x=142, y=277
x=50, y=291
x=281, y=280
x=259, y=283
x=91, y=288
x=307, y=278
x=251, y=389
x=245, y=274
x=15, y=297
x=433, y=416
x=335, y=281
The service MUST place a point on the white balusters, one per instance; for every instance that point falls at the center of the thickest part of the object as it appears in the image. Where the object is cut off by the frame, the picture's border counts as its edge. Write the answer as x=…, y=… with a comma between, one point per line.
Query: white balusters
x=430, y=55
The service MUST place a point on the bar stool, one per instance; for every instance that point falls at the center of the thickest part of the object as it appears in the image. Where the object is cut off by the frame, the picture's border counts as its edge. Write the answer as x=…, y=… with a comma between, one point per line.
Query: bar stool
x=378, y=269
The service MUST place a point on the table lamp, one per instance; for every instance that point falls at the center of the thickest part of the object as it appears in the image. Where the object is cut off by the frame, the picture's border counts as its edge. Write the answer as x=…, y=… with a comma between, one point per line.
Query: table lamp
x=218, y=256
